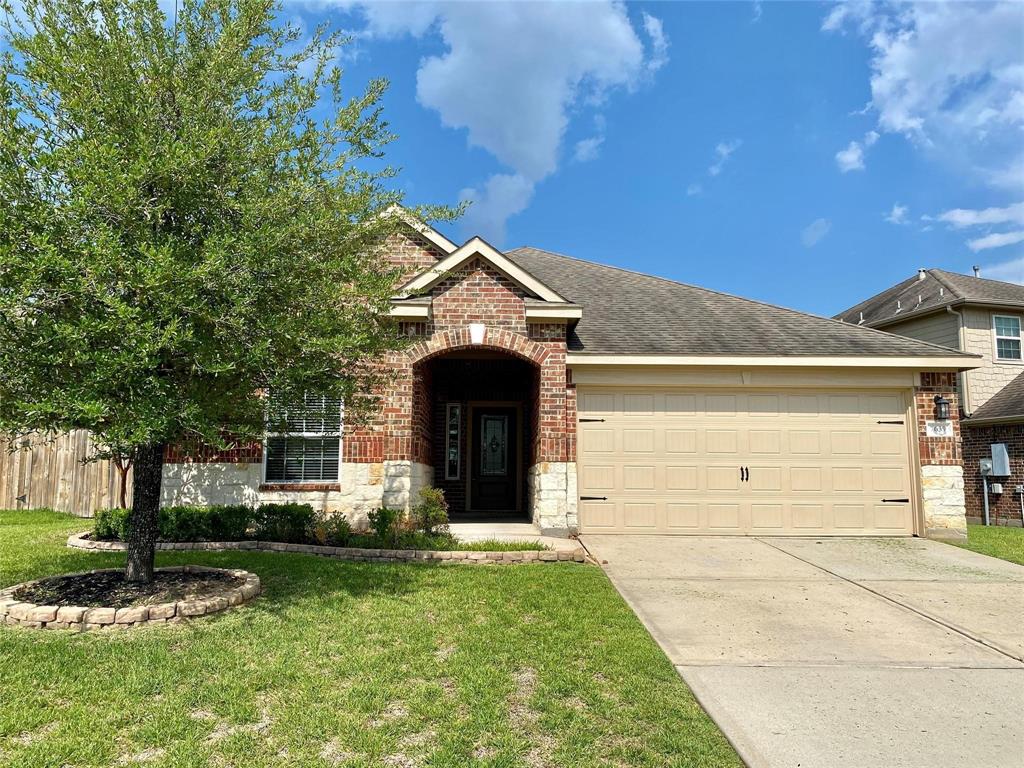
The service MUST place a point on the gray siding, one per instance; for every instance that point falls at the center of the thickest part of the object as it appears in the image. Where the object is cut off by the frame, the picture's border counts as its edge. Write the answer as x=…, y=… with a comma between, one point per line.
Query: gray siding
x=940, y=328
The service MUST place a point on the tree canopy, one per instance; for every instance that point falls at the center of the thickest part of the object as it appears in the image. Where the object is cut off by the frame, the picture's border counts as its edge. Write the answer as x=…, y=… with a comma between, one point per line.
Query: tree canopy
x=190, y=216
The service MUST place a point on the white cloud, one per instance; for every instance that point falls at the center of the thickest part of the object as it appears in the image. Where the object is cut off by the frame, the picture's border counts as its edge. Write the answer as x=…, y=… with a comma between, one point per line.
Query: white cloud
x=758, y=12
x=502, y=196
x=997, y=240
x=511, y=74
x=588, y=149
x=898, y=214
x=949, y=77
x=813, y=233
x=694, y=189
x=852, y=158
x=723, y=151
x=1011, y=271
x=959, y=218
x=659, y=42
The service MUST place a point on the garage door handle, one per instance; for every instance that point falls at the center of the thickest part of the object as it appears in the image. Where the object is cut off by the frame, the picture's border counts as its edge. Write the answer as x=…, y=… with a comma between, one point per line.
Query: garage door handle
x=582, y=421
x=895, y=501
x=593, y=498
x=888, y=422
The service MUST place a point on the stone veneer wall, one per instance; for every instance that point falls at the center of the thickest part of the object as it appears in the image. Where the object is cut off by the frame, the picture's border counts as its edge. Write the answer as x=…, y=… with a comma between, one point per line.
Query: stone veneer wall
x=363, y=487
x=1004, y=508
x=941, y=460
x=553, y=497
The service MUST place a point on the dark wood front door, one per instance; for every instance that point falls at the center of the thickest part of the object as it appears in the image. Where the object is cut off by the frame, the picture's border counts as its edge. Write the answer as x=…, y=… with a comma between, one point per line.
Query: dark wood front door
x=494, y=479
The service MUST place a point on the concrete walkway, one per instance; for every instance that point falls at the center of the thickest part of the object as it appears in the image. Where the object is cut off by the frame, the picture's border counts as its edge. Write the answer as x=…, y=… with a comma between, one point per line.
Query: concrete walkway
x=509, y=531
x=838, y=653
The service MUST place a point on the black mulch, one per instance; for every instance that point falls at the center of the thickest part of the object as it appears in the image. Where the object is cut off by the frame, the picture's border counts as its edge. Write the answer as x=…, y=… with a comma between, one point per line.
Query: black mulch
x=109, y=589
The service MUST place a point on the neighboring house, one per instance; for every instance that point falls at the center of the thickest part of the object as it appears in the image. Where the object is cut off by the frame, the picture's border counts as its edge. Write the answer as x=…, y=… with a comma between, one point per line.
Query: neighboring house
x=982, y=317
x=594, y=399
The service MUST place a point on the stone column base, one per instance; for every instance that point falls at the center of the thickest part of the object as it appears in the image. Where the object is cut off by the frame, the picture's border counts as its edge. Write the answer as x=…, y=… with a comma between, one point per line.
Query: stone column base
x=945, y=511
x=552, y=497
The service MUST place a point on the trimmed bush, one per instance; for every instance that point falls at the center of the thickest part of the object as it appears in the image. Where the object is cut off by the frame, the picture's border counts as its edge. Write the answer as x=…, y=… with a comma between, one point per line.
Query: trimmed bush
x=385, y=525
x=430, y=516
x=283, y=522
x=111, y=524
x=331, y=530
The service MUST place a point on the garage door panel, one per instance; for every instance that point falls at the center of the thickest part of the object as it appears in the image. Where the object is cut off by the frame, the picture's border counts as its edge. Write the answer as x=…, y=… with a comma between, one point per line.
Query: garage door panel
x=680, y=441
x=639, y=515
x=722, y=441
x=815, y=462
x=723, y=478
x=684, y=516
x=724, y=516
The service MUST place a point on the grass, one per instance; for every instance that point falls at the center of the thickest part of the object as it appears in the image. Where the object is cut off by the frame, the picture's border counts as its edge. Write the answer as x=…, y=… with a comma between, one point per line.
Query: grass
x=348, y=664
x=501, y=545
x=997, y=541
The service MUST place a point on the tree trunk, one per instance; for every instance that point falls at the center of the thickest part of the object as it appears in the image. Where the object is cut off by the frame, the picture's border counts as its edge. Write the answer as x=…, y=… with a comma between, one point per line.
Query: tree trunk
x=143, y=524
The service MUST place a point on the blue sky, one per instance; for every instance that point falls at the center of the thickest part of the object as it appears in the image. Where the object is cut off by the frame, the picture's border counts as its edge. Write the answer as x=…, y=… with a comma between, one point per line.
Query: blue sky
x=805, y=154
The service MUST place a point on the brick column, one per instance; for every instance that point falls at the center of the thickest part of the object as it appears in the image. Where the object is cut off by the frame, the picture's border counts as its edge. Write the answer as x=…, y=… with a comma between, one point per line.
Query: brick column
x=941, y=468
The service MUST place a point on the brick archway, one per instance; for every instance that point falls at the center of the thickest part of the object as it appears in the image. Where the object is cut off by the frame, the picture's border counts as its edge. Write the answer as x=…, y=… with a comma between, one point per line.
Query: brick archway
x=495, y=339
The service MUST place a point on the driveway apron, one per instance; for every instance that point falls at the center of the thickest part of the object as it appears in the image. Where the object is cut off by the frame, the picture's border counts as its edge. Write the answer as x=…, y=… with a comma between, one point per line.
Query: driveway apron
x=838, y=652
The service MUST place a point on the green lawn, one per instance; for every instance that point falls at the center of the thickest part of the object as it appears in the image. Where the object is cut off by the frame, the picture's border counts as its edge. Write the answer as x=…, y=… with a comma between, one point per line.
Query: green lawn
x=997, y=541
x=351, y=664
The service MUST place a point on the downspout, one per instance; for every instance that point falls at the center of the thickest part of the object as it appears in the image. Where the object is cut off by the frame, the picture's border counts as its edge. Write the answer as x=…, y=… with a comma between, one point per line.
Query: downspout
x=962, y=376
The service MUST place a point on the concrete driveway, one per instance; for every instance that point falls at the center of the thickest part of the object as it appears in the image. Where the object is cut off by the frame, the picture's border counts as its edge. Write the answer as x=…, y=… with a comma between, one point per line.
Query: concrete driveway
x=838, y=652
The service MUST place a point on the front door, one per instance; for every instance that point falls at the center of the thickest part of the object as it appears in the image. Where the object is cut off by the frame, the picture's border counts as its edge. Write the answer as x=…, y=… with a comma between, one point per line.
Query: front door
x=494, y=476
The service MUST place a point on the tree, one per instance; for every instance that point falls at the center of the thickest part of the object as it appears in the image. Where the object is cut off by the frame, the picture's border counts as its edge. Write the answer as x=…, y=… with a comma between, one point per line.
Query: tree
x=179, y=232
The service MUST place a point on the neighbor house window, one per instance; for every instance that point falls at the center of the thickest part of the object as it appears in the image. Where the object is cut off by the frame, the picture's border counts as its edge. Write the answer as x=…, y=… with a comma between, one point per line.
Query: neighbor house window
x=304, y=441
x=1007, y=330
x=452, y=438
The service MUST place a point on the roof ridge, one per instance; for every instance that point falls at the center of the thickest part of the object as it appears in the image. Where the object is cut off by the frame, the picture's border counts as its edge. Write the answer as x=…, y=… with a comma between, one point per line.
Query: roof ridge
x=939, y=275
x=743, y=299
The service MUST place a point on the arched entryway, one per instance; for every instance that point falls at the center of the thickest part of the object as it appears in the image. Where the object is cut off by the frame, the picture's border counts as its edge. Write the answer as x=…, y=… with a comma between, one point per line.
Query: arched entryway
x=476, y=411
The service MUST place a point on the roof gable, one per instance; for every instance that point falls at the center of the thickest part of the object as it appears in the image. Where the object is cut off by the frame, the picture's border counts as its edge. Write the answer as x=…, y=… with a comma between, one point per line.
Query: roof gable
x=477, y=248
x=929, y=291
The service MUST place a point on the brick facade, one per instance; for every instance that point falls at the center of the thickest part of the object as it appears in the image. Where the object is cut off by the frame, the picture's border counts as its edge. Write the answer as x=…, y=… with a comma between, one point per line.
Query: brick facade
x=1004, y=508
x=941, y=459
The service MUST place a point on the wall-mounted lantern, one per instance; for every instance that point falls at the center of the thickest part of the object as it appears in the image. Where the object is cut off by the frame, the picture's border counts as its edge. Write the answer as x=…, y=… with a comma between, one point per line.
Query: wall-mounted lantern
x=941, y=408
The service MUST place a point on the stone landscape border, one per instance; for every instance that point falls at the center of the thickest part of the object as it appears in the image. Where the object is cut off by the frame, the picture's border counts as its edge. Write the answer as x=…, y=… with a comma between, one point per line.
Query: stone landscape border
x=83, y=541
x=16, y=613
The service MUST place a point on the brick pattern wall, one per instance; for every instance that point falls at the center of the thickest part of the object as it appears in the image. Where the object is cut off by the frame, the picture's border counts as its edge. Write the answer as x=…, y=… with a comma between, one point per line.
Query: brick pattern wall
x=1004, y=509
x=478, y=293
x=411, y=253
x=937, y=451
x=243, y=453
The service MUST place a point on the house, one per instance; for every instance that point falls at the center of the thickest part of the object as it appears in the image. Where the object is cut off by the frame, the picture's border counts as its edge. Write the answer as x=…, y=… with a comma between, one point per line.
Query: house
x=982, y=317
x=592, y=399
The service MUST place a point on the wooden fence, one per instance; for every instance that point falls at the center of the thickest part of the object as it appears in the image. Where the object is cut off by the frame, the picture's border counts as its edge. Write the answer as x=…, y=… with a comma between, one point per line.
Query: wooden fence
x=48, y=471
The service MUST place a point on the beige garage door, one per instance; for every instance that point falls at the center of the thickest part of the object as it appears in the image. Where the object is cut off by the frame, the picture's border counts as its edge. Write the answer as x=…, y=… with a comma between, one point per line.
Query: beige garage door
x=753, y=462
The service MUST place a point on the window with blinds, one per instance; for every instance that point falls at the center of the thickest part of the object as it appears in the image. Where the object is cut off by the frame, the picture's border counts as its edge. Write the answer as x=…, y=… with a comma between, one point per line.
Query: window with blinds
x=309, y=448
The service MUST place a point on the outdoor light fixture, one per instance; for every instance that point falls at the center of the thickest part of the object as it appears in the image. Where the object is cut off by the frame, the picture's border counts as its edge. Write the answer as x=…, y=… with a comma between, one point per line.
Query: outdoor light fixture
x=941, y=408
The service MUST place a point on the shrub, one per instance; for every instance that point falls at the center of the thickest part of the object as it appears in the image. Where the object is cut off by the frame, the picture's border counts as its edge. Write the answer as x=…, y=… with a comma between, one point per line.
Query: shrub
x=183, y=523
x=385, y=524
x=229, y=522
x=283, y=522
x=331, y=530
x=430, y=516
x=111, y=524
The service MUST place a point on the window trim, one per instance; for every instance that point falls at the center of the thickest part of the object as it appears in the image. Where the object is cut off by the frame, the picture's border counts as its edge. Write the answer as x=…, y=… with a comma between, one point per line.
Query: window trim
x=308, y=435
x=996, y=337
x=449, y=407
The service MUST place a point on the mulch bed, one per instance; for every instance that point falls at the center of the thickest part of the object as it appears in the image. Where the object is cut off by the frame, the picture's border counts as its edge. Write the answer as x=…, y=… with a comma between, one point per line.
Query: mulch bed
x=109, y=589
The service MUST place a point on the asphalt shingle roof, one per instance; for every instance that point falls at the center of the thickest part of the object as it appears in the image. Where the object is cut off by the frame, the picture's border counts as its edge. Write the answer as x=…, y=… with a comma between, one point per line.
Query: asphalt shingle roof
x=630, y=313
x=938, y=289
x=1005, y=404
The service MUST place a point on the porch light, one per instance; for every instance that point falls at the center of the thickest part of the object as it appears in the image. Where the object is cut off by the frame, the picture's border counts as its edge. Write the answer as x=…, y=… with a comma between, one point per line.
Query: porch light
x=941, y=408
